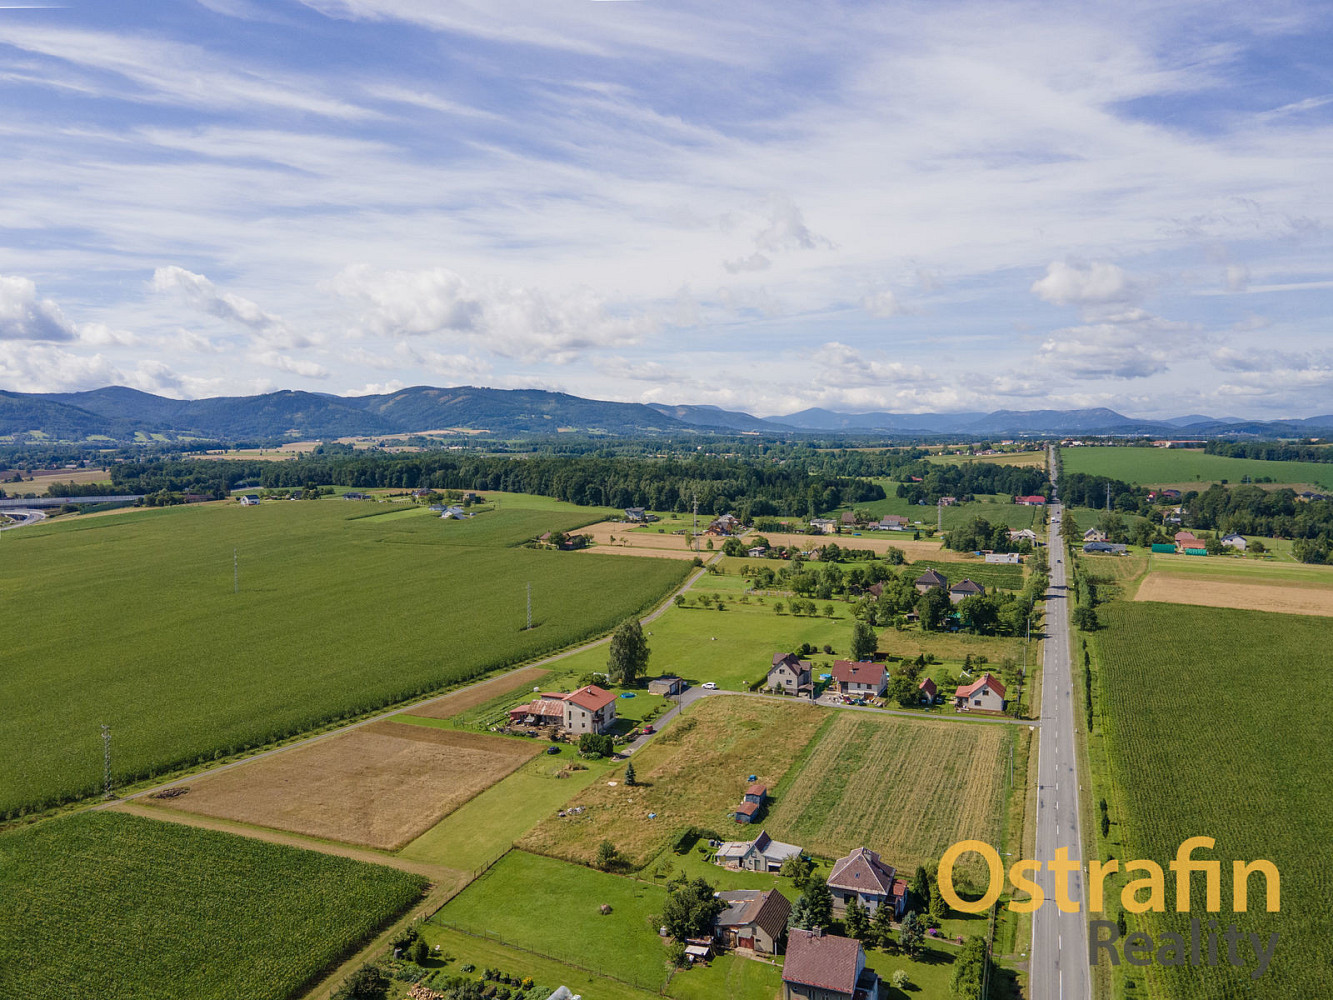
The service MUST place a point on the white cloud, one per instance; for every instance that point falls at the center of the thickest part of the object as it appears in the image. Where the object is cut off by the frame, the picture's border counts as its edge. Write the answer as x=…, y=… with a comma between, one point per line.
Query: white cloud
x=883, y=304
x=501, y=319
x=844, y=365
x=755, y=262
x=26, y=316
x=201, y=293
x=1098, y=283
x=1130, y=346
x=1237, y=278
x=292, y=366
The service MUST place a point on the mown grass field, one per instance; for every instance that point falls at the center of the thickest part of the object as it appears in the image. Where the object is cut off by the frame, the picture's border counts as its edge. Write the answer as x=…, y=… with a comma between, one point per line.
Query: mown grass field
x=998, y=509
x=133, y=622
x=1176, y=466
x=553, y=908
x=691, y=775
x=903, y=788
x=1216, y=725
x=104, y=905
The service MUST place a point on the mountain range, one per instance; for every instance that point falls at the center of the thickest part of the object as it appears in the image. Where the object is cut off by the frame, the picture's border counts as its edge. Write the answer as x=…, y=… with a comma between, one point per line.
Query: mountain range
x=122, y=414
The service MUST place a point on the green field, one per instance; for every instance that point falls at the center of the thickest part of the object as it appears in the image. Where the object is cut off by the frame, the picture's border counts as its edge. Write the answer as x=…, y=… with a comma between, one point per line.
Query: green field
x=1175, y=466
x=552, y=907
x=108, y=905
x=131, y=620
x=1214, y=726
x=997, y=510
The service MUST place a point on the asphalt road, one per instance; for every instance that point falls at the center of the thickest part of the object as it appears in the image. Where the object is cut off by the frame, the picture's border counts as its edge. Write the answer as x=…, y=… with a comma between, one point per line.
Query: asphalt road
x=1059, y=959
x=28, y=516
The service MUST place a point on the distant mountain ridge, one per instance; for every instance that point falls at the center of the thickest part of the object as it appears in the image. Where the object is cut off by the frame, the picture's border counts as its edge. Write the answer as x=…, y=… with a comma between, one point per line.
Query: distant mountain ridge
x=119, y=413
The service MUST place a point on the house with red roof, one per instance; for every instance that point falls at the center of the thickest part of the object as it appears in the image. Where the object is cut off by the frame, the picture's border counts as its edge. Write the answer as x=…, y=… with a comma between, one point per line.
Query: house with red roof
x=823, y=966
x=1032, y=501
x=860, y=679
x=928, y=691
x=985, y=695
x=862, y=876
x=588, y=710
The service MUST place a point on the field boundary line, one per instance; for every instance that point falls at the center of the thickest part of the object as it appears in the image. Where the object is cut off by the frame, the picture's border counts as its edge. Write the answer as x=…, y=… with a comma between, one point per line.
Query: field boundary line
x=388, y=714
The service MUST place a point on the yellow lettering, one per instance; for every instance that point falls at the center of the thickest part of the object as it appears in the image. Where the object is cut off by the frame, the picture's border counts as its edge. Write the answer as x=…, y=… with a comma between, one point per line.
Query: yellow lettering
x=1155, y=883
x=1024, y=884
x=1240, y=874
x=1097, y=872
x=1184, y=866
x=945, y=876
x=1063, y=868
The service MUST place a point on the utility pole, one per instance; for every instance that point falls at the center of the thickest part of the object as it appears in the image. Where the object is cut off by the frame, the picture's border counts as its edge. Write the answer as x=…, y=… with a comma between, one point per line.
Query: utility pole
x=106, y=762
x=696, y=521
x=939, y=516
x=1108, y=496
x=529, y=605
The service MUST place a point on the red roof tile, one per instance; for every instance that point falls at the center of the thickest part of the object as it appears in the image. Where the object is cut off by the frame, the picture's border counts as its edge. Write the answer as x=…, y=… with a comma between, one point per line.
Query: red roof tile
x=591, y=698
x=987, y=680
x=862, y=871
x=747, y=808
x=859, y=672
x=757, y=789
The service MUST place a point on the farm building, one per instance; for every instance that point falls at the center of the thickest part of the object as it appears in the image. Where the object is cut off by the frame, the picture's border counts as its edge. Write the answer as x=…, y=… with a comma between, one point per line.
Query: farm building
x=763, y=854
x=1196, y=548
x=848, y=519
x=823, y=525
x=859, y=679
x=1236, y=542
x=1094, y=535
x=1023, y=535
x=666, y=686
x=931, y=579
x=249, y=501
x=823, y=966
x=758, y=552
x=746, y=812
x=1003, y=557
x=986, y=695
x=861, y=875
x=1163, y=547
x=892, y=522
x=1032, y=501
x=1106, y=548
x=964, y=589
x=754, y=919
x=1182, y=538
x=587, y=710
x=638, y=514
x=790, y=673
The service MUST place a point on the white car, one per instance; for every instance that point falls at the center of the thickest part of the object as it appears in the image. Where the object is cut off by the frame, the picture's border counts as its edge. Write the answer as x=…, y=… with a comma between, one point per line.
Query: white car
x=709, y=685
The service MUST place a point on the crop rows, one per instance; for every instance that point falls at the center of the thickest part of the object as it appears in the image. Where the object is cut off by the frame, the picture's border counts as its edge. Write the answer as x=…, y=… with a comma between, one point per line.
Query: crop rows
x=107, y=905
x=1218, y=726
x=134, y=623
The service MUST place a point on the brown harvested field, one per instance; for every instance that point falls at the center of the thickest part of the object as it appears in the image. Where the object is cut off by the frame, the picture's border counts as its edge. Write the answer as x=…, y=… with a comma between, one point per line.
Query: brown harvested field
x=691, y=775
x=1291, y=600
x=904, y=788
x=879, y=543
x=478, y=694
x=380, y=785
x=43, y=479
x=621, y=538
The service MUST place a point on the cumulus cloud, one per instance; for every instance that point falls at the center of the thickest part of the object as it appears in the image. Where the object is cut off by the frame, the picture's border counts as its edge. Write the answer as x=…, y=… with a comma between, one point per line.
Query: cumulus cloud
x=1097, y=284
x=785, y=229
x=1127, y=346
x=26, y=316
x=293, y=366
x=505, y=320
x=205, y=296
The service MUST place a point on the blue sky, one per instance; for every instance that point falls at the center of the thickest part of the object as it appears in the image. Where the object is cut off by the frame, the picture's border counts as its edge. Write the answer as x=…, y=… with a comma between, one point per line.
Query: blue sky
x=766, y=206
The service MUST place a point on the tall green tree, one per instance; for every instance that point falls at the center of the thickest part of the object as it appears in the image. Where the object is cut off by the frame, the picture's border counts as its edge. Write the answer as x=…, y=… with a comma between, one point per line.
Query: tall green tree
x=970, y=970
x=690, y=909
x=864, y=641
x=629, y=654
x=910, y=933
x=818, y=901
x=857, y=920
x=881, y=924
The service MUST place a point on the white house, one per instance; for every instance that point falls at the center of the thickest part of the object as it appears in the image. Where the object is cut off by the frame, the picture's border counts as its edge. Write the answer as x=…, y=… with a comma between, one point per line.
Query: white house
x=1234, y=542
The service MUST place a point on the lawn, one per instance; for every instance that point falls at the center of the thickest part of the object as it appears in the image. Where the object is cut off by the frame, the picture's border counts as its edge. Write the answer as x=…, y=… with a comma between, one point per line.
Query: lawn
x=905, y=788
x=106, y=905
x=138, y=626
x=690, y=775
x=553, y=908
x=1215, y=725
x=996, y=510
x=1181, y=467
x=486, y=826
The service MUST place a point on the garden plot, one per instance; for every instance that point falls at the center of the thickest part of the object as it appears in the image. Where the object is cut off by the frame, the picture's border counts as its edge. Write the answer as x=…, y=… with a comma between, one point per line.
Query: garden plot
x=379, y=785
